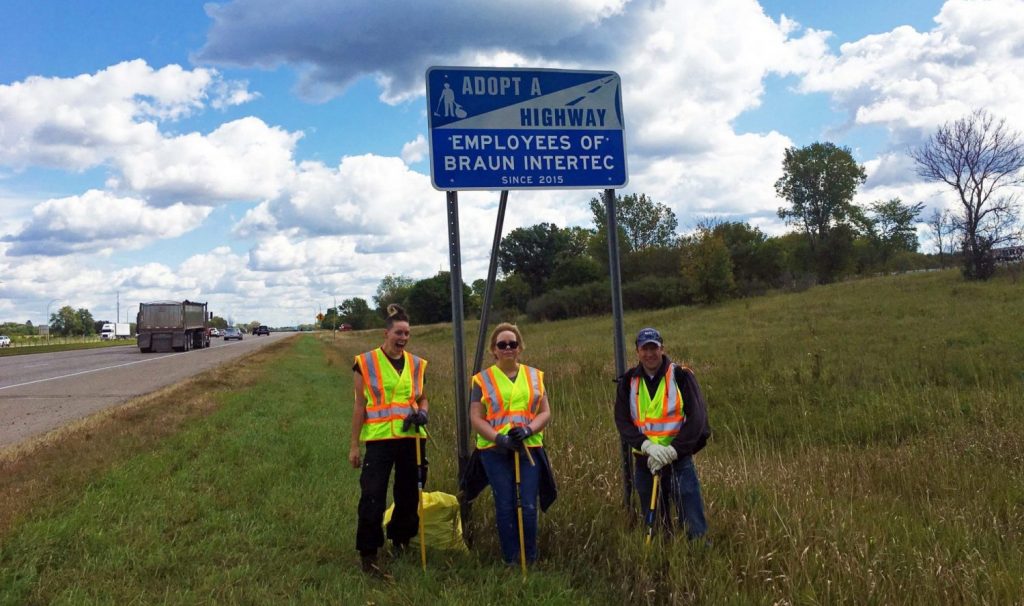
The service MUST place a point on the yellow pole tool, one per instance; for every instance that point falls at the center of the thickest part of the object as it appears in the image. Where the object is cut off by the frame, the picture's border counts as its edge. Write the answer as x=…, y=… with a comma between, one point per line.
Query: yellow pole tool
x=519, y=511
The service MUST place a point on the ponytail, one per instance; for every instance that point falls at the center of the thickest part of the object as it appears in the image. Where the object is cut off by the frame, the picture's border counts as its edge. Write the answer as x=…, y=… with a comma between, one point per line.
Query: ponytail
x=395, y=314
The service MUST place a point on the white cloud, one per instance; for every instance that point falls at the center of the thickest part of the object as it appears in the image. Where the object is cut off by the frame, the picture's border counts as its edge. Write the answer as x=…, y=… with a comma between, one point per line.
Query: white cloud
x=367, y=196
x=99, y=222
x=243, y=159
x=81, y=122
x=912, y=81
x=689, y=70
x=696, y=67
x=415, y=151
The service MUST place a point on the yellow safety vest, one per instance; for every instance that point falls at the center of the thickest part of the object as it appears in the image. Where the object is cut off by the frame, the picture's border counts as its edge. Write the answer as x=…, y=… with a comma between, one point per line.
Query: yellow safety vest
x=390, y=397
x=507, y=404
x=659, y=417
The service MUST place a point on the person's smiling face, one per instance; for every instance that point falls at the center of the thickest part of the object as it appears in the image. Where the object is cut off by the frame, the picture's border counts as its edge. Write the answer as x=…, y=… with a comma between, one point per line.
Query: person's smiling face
x=507, y=347
x=396, y=338
x=650, y=356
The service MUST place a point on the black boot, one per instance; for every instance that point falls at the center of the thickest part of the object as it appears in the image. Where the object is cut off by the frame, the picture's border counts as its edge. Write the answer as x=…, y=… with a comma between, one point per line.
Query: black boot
x=371, y=565
x=399, y=549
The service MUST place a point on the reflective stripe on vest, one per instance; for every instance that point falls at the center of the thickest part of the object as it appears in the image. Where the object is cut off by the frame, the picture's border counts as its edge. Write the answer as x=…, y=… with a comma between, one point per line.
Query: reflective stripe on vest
x=390, y=396
x=659, y=418
x=507, y=404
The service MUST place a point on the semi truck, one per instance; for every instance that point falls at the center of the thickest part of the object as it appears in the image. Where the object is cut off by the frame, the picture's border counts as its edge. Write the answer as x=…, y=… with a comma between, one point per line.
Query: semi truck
x=173, y=325
x=115, y=330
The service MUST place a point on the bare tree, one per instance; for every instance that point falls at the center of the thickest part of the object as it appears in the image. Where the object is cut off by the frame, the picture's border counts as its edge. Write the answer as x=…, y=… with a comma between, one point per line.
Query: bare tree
x=981, y=158
x=939, y=224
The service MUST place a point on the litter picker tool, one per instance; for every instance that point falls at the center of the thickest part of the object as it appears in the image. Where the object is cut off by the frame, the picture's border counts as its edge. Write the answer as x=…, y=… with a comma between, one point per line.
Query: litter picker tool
x=526, y=449
x=651, y=511
x=419, y=508
x=519, y=512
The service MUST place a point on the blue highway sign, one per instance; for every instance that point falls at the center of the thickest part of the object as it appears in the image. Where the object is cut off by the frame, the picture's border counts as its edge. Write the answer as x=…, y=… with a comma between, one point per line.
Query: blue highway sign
x=498, y=129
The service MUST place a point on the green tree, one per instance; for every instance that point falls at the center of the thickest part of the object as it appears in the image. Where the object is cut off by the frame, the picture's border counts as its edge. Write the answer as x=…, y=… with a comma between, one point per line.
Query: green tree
x=331, y=319
x=511, y=294
x=64, y=322
x=644, y=222
x=219, y=323
x=657, y=261
x=430, y=300
x=819, y=182
x=16, y=328
x=392, y=289
x=532, y=253
x=757, y=260
x=891, y=227
x=357, y=313
x=571, y=270
x=707, y=267
x=85, y=322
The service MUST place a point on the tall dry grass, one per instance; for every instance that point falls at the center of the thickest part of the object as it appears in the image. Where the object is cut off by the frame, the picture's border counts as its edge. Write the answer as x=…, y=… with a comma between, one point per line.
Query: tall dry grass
x=868, y=449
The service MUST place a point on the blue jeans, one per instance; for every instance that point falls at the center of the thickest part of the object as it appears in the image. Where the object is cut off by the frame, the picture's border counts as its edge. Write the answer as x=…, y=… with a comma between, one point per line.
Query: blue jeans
x=680, y=486
x=501, y=475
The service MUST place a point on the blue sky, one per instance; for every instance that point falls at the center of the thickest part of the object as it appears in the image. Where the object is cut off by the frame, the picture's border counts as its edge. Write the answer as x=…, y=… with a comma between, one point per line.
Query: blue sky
x=270, y=156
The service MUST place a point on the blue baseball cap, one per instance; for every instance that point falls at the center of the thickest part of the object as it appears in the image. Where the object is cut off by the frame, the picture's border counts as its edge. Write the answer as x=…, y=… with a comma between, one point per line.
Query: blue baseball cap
x=648, y=335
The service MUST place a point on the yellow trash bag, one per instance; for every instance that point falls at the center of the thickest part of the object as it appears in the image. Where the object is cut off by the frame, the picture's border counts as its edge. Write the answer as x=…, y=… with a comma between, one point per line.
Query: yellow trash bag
x=441, y=523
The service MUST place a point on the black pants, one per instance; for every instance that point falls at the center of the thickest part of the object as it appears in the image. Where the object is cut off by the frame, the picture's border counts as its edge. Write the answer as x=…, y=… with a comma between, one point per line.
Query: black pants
x=381, y=455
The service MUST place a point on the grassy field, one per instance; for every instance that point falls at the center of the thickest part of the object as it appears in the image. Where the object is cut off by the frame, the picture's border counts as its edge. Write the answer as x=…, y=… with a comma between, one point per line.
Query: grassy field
x=868, y=449
x=23, y=347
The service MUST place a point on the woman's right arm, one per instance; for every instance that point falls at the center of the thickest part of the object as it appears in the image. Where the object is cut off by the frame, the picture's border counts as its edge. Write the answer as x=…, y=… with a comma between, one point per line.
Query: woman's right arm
x=358, y=418
x=476, y=416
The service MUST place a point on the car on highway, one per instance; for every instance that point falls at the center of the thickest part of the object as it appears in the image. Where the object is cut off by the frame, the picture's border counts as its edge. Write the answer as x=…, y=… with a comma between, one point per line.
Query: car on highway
x=214, y=332
x=263, y=330
x=5, y=341
x=345, y=327
x=232, y=333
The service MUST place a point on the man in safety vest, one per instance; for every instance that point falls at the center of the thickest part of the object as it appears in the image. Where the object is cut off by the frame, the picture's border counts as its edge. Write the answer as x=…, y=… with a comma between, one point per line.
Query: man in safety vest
x=390, y=410
x=660, y=413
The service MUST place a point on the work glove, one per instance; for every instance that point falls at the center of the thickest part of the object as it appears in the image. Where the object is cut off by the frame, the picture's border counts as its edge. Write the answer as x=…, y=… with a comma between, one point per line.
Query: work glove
x=646, y=447
x=416, y=417
x=519, y=434
x=504, y=441
x=660, y=456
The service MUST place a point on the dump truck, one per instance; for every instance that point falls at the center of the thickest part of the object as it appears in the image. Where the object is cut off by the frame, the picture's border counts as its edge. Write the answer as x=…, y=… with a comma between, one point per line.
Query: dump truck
x=173, y=325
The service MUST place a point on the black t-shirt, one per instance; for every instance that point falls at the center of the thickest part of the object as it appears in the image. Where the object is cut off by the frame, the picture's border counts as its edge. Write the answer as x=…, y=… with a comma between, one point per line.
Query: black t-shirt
x=398, y=363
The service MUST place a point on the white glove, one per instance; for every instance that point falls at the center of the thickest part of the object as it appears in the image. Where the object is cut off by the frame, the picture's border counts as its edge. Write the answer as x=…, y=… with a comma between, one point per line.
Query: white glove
x=660, y=456
x=646, y=447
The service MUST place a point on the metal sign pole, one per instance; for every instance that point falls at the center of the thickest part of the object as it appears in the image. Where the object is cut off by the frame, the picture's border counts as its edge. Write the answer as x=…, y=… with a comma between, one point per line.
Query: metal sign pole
x=455, y=261
x=492, y=271
x=620, y=345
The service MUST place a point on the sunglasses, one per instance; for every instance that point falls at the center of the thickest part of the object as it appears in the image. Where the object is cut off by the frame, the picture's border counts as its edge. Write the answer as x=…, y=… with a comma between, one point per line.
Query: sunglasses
x=503, y=345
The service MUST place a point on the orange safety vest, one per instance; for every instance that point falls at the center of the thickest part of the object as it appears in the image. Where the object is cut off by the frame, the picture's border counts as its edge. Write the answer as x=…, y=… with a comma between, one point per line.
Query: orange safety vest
x=390, y=396
x=510, y=404
x=659, y=417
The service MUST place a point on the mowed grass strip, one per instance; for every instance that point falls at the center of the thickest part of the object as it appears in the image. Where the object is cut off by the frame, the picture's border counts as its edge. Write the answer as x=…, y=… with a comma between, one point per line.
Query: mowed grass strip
x=869, y=448
x=254, y=503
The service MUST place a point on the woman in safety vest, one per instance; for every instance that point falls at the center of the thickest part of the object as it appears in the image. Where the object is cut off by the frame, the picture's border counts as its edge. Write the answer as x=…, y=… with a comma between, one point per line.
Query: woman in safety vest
x=509, y=409
x=389, y=414
x=660, y=412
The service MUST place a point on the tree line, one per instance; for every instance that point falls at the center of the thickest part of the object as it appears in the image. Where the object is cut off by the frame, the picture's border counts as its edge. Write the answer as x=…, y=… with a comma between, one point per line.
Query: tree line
x=550, y=272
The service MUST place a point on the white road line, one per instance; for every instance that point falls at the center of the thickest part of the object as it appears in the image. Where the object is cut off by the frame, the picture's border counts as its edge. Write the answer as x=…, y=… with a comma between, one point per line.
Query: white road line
x=85, y=372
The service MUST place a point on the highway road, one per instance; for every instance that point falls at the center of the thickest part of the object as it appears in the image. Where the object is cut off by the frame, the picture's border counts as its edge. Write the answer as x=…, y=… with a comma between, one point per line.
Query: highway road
x=41, y=392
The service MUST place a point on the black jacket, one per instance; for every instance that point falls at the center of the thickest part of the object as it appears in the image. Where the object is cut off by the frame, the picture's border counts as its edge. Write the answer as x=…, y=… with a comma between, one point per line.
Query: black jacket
x=694, y=434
